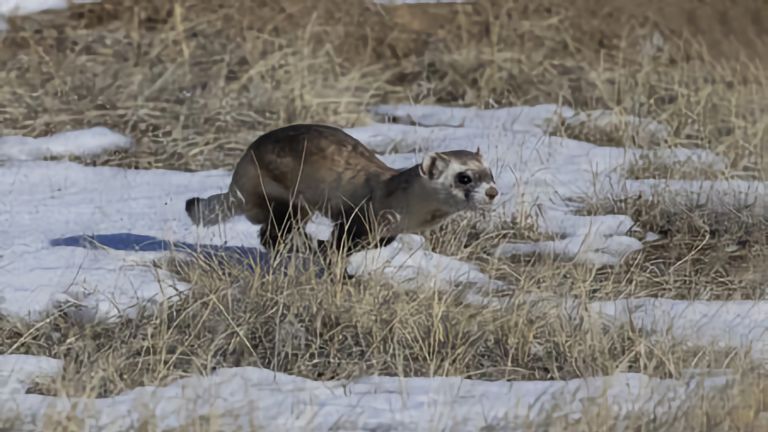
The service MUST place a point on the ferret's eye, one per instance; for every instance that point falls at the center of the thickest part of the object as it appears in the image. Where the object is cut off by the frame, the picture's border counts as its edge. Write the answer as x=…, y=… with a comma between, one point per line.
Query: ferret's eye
x=463, y=179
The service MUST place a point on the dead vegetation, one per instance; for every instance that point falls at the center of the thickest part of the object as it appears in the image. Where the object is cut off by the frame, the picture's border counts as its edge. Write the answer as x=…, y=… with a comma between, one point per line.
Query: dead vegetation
x=193, y=82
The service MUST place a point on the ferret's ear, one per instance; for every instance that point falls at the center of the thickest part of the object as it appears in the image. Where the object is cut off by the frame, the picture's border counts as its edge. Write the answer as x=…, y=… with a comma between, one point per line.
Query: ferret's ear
x=433, y=165
x=478, y=155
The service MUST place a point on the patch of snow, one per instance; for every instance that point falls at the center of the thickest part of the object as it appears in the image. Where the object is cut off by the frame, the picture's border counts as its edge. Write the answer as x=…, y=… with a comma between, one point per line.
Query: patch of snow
x=28, y=7
x=9, y=8
x=93, y=284
x=733, y=324
x=246, y=398
x=42, y=201
x=87, y=142
x=597, y=250
x=717, y=195
x=561, y=223
x=517, y=119
x=407, y=263
x=596, y=240
x=18, y=372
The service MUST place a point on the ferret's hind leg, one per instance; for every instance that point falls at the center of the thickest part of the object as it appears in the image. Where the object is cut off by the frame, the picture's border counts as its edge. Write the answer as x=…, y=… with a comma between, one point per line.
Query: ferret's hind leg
x=278, y=220
x=260, y=212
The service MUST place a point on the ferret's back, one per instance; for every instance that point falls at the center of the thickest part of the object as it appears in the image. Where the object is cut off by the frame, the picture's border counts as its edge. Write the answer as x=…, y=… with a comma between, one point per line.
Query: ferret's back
x=323, y=161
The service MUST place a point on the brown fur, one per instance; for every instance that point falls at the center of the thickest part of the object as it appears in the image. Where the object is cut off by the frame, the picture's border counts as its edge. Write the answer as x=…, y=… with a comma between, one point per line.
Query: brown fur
x=290, y=172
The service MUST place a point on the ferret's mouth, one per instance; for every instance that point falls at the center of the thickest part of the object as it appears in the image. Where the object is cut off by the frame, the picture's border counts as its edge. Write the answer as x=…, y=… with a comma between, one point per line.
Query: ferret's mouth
x=479, y=204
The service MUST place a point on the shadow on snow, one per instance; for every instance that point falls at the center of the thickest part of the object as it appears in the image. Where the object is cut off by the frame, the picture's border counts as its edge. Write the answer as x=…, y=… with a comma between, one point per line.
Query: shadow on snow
x=248, y=257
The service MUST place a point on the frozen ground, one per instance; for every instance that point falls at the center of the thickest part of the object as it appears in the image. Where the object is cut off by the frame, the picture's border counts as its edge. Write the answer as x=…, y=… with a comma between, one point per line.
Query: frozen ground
x=44, y=203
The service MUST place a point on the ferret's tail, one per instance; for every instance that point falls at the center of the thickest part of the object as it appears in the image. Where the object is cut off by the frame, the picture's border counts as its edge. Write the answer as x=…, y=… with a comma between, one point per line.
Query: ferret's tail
x=213, y=210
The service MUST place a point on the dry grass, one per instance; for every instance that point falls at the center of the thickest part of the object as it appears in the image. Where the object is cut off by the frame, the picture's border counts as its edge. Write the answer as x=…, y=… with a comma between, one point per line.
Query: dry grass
x=193, y=82
x=703, y=254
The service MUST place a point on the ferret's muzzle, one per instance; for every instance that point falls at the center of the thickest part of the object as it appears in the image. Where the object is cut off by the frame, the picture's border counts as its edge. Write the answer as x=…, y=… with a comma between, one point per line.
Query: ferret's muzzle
x=483, y=197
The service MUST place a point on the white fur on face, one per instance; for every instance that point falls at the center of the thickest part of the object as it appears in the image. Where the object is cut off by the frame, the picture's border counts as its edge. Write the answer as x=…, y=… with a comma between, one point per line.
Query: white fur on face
x=457, y=196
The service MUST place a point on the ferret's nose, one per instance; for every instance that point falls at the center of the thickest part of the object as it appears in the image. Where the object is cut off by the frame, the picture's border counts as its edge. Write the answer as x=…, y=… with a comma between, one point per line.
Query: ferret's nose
x=491, y=193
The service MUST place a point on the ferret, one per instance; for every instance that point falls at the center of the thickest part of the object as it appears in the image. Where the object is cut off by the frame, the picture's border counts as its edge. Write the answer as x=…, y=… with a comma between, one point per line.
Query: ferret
x=291, y=172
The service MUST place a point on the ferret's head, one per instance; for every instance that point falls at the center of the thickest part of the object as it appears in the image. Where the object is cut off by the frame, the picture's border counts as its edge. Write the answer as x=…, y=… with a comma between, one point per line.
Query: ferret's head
x=461, y=178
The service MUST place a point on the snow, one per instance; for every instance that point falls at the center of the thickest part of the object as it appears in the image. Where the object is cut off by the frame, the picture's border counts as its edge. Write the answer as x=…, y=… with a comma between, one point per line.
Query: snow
x=246, y=398
x=86, y=142
x=715, y=195
x=10, y=8
x=27, y=7
x=516, y=119
x=409, y=264
x=44, y=201
x=18, y=372
x=594, y=248
x=733, y=324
